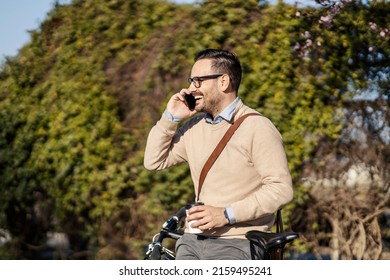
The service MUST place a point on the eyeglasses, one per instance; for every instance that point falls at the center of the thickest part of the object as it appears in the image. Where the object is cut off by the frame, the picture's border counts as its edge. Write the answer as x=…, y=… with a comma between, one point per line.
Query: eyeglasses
x=197, y=80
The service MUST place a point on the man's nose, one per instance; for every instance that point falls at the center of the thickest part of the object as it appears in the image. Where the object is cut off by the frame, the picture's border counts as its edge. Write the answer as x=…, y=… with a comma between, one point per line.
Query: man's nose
x=192, y=88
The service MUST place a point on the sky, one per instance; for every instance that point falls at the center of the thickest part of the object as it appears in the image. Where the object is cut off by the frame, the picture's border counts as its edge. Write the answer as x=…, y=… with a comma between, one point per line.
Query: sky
x=16, y=18
x=19, y=16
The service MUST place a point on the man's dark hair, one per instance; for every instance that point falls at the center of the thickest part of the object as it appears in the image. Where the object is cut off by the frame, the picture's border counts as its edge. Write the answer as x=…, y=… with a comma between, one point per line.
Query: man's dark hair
x=224, y=62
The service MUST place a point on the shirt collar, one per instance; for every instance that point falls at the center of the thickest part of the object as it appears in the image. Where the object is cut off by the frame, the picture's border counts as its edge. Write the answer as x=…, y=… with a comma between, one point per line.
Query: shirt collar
x=226, y=114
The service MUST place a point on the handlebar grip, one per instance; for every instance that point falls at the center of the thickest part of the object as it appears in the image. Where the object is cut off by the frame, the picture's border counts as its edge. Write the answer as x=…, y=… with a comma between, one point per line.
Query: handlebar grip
x=156, y=253
x=181, y=213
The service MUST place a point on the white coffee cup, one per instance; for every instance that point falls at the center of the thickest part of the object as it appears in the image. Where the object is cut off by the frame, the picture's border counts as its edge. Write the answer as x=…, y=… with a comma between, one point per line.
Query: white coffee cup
x=188, y=224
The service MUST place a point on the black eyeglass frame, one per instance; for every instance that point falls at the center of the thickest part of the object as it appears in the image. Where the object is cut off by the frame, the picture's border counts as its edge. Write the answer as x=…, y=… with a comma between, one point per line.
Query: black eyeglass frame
x=196, y=80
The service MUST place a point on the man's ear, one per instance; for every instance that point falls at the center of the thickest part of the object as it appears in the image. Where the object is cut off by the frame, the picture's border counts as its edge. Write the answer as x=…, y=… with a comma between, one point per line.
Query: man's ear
x=225, y=83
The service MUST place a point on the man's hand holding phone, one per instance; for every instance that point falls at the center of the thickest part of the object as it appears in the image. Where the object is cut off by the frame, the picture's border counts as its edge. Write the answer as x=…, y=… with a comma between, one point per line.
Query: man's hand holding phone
x=182, y=104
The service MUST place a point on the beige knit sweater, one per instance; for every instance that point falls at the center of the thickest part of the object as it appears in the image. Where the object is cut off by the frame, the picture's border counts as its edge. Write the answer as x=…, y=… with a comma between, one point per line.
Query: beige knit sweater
x=251, y=173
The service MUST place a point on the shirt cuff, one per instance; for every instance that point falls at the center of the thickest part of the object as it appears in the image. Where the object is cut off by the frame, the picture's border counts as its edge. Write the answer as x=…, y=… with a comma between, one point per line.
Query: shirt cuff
x=230, y=213
x=171, y=117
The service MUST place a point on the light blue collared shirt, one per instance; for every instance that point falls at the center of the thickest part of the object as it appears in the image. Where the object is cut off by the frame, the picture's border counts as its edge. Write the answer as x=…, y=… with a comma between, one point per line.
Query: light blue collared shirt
x=171, y=117
x=226, y=114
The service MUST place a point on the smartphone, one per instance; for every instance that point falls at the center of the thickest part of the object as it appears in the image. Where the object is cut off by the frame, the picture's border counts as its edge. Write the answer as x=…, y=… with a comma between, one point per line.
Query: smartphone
x=190, y=101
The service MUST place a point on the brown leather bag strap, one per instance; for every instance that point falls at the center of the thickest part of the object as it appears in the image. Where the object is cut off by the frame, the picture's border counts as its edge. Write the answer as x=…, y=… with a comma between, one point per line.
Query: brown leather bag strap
x=221, y=145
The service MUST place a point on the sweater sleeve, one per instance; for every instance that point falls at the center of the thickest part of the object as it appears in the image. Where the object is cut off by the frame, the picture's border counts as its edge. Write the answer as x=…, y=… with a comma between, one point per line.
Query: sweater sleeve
x=269, y=160
x=164, y=146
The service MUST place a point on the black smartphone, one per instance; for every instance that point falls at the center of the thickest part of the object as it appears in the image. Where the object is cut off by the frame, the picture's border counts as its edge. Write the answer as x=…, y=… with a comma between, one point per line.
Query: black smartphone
x=190, y=101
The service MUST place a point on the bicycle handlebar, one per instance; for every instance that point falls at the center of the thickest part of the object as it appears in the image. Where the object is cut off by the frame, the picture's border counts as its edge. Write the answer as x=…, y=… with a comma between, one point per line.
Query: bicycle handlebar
x=172, y=222
x=168, y=230
x=156, y=253
x=181, y=213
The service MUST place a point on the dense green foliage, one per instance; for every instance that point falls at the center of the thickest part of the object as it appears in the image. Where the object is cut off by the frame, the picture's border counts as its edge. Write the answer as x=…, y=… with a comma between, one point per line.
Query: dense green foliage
x=77, y=102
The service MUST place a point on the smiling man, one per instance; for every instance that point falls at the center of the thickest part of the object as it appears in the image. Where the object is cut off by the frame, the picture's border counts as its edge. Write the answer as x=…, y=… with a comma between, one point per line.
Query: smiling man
x=250, y=179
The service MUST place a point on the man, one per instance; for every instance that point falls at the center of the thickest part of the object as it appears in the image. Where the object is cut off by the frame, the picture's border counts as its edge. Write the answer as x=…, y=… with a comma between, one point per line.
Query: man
x=250, y=179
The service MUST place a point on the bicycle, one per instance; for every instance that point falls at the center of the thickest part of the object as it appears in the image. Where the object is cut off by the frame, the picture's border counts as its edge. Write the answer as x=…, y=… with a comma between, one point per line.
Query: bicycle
x=272, y=243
